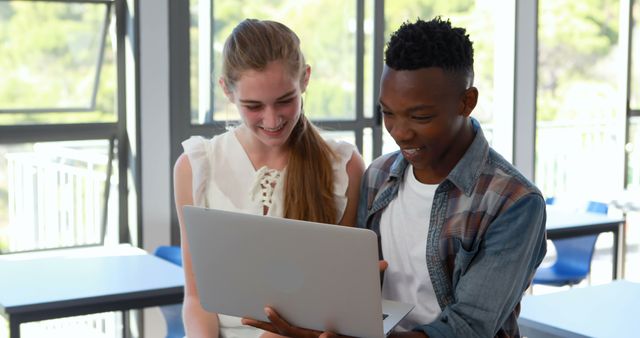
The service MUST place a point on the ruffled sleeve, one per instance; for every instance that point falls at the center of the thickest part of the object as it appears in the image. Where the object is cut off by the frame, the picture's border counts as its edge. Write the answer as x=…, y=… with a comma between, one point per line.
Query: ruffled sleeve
x=198, y=151
x=343, y=151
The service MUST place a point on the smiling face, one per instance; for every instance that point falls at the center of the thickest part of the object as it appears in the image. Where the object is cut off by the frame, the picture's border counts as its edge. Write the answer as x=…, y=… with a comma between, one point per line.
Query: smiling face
x=269, y=102
x=426, y=112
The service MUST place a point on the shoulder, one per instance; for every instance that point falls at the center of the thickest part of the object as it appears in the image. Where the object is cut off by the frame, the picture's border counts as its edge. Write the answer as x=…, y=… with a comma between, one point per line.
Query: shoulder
x=503, y=178
x=347, y=163
x=182, y=164
x=378, y=172
x=341, y=149
x=182, y=171
x=382, y=165
x=355, y=168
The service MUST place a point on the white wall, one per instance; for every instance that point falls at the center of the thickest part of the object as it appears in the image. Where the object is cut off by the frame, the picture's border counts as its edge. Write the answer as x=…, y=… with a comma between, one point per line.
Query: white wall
x=525, y=87
x=154, y=136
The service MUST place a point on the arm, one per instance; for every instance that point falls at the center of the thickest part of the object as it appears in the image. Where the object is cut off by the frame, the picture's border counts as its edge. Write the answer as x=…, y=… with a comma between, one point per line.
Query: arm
x=498, y=272
x=355, y=169
x=197, y=321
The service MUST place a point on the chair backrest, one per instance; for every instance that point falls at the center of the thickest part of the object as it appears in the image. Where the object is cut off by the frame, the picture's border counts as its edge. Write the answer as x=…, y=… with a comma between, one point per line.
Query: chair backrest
x=598, y=207
x=170, y=253
x=575, y=253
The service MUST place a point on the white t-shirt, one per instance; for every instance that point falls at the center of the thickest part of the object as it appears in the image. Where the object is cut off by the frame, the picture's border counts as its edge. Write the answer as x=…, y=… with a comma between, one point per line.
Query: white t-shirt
x=404, y=225
x=224, y=178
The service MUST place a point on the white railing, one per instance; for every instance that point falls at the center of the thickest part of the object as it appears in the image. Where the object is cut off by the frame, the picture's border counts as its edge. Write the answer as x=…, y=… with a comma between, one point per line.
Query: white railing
x=101, y=325
x=56, y=196
x=56, y=199
x=578, y=159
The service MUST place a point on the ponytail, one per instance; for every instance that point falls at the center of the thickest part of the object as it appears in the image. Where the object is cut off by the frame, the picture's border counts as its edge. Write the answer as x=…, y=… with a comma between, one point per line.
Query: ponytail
x=308, y=186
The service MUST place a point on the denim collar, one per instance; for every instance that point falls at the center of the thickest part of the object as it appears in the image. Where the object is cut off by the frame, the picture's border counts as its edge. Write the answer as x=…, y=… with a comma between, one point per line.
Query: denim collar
x=468, y=169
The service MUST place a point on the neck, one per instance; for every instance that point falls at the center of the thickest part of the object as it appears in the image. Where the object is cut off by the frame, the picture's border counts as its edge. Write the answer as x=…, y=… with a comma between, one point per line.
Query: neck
x=440, y=169
x=260, y=154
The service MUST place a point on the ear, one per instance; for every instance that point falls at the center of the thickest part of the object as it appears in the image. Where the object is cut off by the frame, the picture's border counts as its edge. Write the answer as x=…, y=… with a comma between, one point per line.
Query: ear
x=227, y=91
x=305, y=79
x=469, y=101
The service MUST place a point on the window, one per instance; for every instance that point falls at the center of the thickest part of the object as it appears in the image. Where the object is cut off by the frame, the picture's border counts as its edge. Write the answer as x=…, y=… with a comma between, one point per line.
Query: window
x=633, y=154
x=63, y=135
x=60, y=126
x=491, y=27
x=332, y=54
x=55, y=194
x=632, y=148
x=635, y=55
x=61, y=70
x=580, y=121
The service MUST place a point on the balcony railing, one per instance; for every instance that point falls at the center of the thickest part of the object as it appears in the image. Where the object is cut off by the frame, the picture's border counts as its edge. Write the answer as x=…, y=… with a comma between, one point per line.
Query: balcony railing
x=56, y=196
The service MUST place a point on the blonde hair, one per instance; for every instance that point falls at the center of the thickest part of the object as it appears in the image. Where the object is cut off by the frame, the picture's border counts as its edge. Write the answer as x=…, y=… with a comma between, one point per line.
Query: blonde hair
x=308, y=184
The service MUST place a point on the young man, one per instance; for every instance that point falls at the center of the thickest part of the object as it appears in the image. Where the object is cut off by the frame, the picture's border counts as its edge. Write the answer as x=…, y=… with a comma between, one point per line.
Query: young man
x=461, y=229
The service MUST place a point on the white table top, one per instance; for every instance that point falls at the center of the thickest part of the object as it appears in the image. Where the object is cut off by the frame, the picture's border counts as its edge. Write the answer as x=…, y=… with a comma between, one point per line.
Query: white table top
x=609, y=310
x=560, y=218
x=74, y=277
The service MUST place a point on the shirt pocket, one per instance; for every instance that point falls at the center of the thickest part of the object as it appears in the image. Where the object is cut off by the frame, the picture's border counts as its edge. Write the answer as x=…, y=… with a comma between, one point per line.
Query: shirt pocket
x=463, y=259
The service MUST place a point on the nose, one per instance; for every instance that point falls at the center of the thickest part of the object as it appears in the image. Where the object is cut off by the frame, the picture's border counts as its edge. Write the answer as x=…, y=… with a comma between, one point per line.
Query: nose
x=270, y=118
x=400, y=131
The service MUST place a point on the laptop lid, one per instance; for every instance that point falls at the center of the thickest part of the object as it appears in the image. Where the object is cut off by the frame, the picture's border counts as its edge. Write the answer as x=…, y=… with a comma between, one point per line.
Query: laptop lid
x=317, y=276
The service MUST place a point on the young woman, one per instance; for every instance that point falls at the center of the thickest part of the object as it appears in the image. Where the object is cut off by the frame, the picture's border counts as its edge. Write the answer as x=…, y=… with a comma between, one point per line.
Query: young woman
x=275, y=163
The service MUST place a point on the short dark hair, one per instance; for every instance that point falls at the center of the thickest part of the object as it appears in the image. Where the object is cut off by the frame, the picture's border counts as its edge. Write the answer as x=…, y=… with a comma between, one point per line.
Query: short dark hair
x=433, y=43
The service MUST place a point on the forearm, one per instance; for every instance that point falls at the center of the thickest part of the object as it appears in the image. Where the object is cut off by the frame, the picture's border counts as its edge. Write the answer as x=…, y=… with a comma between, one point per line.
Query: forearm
x=199, y=323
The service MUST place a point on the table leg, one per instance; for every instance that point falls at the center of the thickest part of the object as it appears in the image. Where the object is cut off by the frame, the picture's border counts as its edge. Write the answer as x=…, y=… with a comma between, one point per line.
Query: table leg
x=623, y=246
x=615, y=254
x=14, y=329
x=126, y=325
x=132, y=324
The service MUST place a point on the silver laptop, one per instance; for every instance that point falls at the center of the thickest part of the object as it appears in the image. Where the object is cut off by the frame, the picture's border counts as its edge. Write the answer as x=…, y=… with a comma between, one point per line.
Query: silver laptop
x=317, y=276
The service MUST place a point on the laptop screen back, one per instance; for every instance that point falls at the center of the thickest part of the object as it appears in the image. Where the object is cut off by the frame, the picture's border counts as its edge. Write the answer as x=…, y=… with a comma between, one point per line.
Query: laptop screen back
x=317, y=276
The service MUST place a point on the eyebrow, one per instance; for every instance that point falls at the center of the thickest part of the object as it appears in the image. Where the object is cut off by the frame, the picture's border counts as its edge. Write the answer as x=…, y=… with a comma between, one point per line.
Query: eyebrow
x=411, y=109
x=282, y=97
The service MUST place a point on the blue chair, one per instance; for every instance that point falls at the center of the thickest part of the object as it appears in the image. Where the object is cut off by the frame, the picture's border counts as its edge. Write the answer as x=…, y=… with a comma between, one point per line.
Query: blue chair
x=574, y=255
x=172, y=313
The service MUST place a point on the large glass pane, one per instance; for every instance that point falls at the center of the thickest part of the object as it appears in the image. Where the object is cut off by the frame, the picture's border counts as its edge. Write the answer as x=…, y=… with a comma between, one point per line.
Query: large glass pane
x=579, y=133
x=491, y=27
x=633, y=154
x=52, y=195
x=51, y=53
x=632, y=271
x=328, y=42
x=200, y=60
x=369, y=95
x=635, y=57
x=339, y=135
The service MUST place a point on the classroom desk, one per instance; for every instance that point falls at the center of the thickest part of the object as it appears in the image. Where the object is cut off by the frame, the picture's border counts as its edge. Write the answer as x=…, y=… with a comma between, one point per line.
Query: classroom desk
x=76, y=282
x=566, y=223
x=602, y=311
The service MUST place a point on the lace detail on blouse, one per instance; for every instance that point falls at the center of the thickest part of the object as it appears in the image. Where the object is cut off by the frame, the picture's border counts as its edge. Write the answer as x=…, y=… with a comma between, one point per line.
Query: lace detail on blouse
x=264, y=185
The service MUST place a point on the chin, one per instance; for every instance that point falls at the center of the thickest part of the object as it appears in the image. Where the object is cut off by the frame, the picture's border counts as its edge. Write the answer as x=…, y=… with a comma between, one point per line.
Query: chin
x=274, y=141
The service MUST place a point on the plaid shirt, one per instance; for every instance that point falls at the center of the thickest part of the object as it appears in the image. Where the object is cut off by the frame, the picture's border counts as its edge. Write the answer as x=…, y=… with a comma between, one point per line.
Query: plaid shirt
x=485, y=239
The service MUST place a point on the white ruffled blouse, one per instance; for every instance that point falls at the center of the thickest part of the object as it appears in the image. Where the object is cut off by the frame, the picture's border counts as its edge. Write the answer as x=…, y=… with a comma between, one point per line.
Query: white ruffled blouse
x=224, y=177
